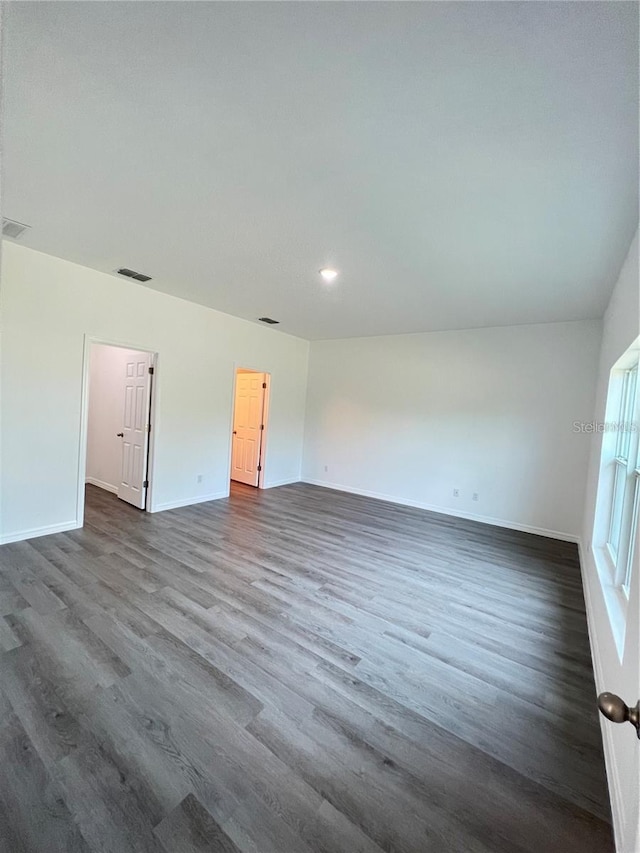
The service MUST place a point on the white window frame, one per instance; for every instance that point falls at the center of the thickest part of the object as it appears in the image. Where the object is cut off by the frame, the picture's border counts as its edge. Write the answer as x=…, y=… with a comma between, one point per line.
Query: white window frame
x=618, y=502
x=623, y=499
x=631, y=561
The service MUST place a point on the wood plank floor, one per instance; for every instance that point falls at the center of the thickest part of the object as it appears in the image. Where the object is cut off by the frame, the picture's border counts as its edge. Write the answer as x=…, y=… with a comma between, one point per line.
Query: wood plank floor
x=296, y=670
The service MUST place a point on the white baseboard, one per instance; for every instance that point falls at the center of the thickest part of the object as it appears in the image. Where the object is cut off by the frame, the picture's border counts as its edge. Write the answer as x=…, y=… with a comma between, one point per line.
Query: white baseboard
x=288, y=481
x=470, y=516
x=102, y=485
x=200, y=499
x=35, y=532
x=613, y=777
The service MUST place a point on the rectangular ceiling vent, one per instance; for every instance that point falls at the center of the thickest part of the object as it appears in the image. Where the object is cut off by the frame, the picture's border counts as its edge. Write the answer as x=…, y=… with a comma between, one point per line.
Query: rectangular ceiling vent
x=269, y=321
x=138, y=276
x=13, y=229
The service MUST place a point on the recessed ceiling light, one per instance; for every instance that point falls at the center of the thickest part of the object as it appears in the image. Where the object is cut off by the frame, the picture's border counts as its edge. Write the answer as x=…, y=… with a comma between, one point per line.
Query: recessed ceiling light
x=328, y=274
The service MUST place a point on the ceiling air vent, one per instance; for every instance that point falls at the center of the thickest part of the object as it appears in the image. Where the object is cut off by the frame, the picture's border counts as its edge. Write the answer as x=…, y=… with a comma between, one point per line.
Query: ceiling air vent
x=13, y=229
x=269, y=321
x=138, y=276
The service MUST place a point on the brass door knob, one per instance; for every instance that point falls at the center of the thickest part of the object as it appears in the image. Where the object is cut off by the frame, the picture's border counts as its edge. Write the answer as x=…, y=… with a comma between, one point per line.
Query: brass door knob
x=120, y=434
x=614, y=709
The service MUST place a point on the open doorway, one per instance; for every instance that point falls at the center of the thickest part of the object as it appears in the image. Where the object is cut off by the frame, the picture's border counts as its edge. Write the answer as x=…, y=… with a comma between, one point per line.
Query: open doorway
x=118, y=416
x=249, y=431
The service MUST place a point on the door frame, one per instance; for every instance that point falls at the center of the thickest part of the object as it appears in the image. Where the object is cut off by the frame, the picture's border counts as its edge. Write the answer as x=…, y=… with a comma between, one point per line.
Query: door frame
x=89, y=341
x=266, y=406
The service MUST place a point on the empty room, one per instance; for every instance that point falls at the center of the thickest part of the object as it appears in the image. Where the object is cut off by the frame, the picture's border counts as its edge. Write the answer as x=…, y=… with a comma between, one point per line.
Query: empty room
x=320, y=427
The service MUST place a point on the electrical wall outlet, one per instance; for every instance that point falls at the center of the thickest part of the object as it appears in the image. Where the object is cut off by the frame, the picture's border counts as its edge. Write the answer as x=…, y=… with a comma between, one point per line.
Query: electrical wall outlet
x=475, y=496
x=326, y=468
x=456, y=493
x=199, y=478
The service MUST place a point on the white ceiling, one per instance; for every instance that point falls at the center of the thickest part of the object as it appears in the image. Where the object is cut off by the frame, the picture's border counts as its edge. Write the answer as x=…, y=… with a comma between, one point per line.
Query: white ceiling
x=461, y=164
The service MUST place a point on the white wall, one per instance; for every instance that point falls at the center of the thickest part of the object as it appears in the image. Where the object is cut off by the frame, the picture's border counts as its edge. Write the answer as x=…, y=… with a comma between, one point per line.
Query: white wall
x=48, y=306
x=106, y=413
x=411, y=417
x=621, y=327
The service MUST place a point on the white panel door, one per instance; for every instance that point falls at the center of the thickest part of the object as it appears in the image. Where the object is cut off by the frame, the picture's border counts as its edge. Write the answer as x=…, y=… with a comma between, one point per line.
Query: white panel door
x=630, y=688
x=135, y=429
x=619, y=674
x=624, y=680
x=622, y=677
x=247, y=427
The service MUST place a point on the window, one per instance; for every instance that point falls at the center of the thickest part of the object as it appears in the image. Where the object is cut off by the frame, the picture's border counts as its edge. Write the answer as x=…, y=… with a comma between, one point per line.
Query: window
x=616, y=520
x=624, y=497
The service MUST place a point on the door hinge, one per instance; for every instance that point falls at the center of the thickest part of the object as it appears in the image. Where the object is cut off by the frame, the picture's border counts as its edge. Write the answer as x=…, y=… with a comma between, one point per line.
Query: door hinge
x=259, y=467
x=264, y=384
x=261, y=426
x=151, y=370
x=145, y=485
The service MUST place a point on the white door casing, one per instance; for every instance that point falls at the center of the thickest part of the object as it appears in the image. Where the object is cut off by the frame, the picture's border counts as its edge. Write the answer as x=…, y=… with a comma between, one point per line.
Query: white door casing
x=248, y=423
x=135, y=429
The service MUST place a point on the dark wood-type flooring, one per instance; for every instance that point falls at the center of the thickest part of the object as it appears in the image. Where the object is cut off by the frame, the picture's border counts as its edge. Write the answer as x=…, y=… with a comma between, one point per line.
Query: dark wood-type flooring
x=296, y=670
